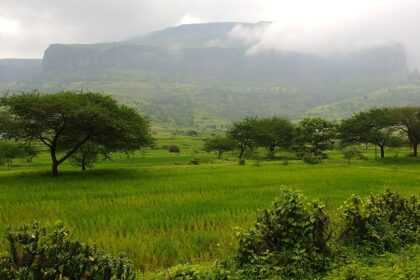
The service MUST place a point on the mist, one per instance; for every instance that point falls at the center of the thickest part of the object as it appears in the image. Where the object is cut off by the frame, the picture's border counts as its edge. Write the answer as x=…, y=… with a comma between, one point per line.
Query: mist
x=321, y=27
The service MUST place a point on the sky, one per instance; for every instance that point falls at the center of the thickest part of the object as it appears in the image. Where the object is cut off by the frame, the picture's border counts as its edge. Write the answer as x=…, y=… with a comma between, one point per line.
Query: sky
x=27, y=27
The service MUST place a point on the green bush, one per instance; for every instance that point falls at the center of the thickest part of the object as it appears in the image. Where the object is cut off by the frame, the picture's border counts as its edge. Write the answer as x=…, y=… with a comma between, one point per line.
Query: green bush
x=311, y=159
x=290, y=239
x=37, y=253
x=383, y=222
x=173, y=149
x=192, y=272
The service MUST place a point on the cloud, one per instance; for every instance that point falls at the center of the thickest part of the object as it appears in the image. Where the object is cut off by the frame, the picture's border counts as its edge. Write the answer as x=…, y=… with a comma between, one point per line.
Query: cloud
x=27, y=27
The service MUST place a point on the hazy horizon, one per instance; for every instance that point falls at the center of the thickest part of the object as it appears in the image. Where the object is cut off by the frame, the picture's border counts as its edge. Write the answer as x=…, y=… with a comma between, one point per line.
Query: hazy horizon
x=324, y=27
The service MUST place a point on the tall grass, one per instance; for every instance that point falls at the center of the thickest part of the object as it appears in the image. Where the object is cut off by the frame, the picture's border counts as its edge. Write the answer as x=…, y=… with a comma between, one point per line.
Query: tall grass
x=162, y=211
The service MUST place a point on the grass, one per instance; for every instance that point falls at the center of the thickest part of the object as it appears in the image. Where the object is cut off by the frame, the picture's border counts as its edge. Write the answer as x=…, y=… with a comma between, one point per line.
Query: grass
x=162, y=211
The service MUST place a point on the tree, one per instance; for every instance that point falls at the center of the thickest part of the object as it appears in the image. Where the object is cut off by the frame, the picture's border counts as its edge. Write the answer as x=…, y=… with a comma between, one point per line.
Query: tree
x=244, y=132
x=31, y=151
x=220, y=144
x=314, y=136
x=65, y=121
x=274, y=133
x=407, y=119
x=375, y=126
x=351, y=152
x=88, y=154
x=10, y=151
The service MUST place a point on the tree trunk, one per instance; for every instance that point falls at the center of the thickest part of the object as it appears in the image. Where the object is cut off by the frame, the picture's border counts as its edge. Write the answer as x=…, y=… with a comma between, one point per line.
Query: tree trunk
x=271, y=150
x=54, y=169
x=219, y=154
x=241, y=153
x=382, y=151
x=83, y=163
x=415, y=149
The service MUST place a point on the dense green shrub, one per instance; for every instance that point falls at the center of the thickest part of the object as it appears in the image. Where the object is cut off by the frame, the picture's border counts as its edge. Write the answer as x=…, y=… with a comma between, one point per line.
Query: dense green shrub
x=217, y=271
x=290, y=239
x=389, y=266
x=383, y=222
x=37, y=253
x=173, y=149
x=311, y=159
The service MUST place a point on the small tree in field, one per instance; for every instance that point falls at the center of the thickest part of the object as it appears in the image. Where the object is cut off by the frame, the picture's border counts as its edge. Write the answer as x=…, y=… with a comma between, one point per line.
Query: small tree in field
x=65, y=121
x=375, y=126
x=219, y=144
x=88, y=154
x=314, y=136
x=352, y=152
x=274, y=133
x=10, y=151
x=245, y=133
x=407, y=119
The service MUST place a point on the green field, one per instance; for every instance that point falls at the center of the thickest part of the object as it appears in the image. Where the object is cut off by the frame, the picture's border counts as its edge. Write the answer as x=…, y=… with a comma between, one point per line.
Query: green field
x=163, y=211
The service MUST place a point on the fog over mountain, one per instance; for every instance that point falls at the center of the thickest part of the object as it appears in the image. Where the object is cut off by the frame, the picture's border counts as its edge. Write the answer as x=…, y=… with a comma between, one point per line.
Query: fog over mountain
x=182, y=63
x=28, y=27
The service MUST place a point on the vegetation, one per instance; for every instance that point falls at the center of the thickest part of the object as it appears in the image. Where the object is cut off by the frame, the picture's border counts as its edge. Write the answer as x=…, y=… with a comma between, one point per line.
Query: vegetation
x=314, y=137
x=407, y=120
x=220, y=145
x=39, y=253
x=65, y=121
x=10, y=151
x=375, y=126
x=352, y=152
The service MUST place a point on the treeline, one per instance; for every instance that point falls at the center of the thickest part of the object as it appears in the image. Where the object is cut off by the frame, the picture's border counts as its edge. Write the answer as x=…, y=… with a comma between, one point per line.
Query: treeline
x=312, y=137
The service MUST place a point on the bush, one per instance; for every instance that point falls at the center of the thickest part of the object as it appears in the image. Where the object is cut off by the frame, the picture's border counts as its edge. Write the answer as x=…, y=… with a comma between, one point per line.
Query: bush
x=192, y=272
x=195, y=161
x=383, y=222
x=173, y=149
x=37, y=253
x=241, y=162
x=311, y=159
x=290, y=239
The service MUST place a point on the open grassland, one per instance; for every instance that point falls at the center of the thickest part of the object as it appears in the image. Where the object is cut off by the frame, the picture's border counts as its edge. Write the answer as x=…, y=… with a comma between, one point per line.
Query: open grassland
x=162, y=211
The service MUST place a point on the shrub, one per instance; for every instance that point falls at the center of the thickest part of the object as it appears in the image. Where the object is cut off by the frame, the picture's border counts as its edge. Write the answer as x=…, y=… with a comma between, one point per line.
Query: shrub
x=195, y=161
x=173, y=149
x=352, y=152
x=192, y=272
x=311, y=159
x=290, y=239
x=383, y=222
x=241, y=162
x=37, y=253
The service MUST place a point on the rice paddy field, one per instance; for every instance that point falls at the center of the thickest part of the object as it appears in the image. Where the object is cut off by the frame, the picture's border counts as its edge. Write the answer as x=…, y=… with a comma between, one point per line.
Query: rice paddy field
x=161, y=211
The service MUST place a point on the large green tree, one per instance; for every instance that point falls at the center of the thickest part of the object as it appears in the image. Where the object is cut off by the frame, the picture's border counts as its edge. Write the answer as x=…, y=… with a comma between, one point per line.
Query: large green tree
x=314, y=136
x=274, y=132
x=66, y=121
x=375, y=126
x=407, y=119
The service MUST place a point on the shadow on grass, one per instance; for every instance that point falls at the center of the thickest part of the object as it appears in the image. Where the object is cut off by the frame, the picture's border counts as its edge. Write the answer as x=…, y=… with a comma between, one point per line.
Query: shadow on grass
x=103, y=174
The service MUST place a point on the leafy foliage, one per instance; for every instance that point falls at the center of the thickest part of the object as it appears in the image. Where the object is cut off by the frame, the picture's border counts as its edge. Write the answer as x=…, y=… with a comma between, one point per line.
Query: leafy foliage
x=67, y=120
x=173, y=149
x=314, y=136
x=10, y=151
x=39, y=253
x=383, y=222
x=375, y=126
x=220, y=144
x=291, y=237
x=352, y=152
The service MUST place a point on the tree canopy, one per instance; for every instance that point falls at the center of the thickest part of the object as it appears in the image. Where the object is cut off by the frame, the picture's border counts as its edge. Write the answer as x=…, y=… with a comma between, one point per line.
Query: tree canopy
x=67, y=120
x=375, y=126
